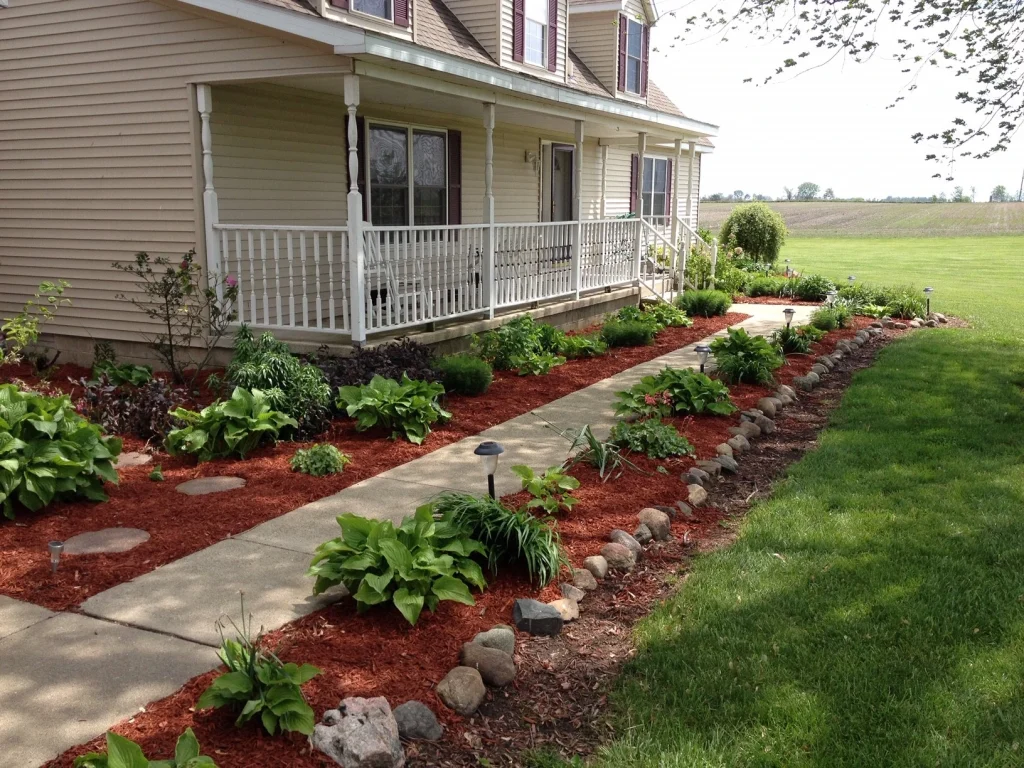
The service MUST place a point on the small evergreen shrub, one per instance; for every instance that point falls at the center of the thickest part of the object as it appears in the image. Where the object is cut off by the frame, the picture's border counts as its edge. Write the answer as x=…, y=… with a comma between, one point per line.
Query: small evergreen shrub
x=757, y=229
x=767, y=285
x=320, y=460
x=627, y=333
x=745, y=359
x=813, y=288
x=838, y=315
x=704, y=303
x=464, y=374
x=652, y=438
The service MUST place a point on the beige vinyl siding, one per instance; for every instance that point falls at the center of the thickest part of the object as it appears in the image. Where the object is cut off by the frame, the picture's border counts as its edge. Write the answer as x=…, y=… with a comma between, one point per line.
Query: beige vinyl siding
x=594, y=37
x=506, y=44
x=635, y=10
x=481, y=18
x=98, y=144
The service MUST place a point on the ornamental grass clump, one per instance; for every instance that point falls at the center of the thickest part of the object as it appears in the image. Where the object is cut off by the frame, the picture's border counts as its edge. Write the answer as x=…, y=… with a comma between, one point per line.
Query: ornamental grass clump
x=745, y=359
x=512, y=537
x=602, y=455
x=628, y=333
x=791, y=341
x=48, y=452
x=705, y=303
x=407, y=408
x=464, y=374
x=414, y=566
x=320, y=460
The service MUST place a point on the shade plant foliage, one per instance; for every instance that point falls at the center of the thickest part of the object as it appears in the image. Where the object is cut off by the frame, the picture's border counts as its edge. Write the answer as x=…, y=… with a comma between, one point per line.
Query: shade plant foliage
x=675, y=391
x=551, y=490
x=49, y=452
x=320, y=460
x=705, y=303
x=651, y=437
x=407, y=408
x=522, y=345
x=745, y=359
x=125, y=753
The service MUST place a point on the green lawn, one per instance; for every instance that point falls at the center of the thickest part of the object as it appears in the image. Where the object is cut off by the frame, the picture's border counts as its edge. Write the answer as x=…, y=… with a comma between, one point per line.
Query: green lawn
x=871, y=612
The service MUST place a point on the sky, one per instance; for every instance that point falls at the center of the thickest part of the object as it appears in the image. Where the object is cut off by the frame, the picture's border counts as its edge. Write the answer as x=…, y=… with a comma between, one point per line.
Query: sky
x=829, y=126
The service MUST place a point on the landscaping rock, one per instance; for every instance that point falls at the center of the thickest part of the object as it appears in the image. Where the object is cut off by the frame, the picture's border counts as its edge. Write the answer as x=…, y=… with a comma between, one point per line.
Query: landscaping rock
x=495, y=667
x=806, y=383
x=657, y=523
x=643, y=534
x=766, y=425
x=723, y=449
x=863, y=337
x=105, y=541
x=569, y=609
x=747, y=429
x=572, y=592
x=900, y=326
x=417, y=722
x=876, y=324
x=825, y=360
x=739, y=444
x=619, y=557
x=767, y=407
x=889, y=324
x=584, y=579
x=932, y=323
x=536, y=618
x=787, y=390
x=686, y=509
x=938, y=316
x=502, y=638
x=463, y=688
x=728, y=464
x=784, y=398
x=712, y=468
x=596, y=565
x=820, y=369
x=619, y=536
x=914, y=323
x=204, y=485
x=750, y=414
x=670, y=511
x=132, y=459
x=691, y=478
x=697, y=495
x=361, y=733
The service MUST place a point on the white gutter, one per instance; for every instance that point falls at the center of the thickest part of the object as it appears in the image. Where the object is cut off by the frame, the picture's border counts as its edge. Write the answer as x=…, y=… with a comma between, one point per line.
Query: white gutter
x=608, y=5
x=291, y=22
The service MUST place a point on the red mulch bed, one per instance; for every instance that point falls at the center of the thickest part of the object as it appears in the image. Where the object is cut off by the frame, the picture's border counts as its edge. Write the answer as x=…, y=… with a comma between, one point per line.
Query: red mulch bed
x=180, y=525
x=378, y=654
x=775, y=300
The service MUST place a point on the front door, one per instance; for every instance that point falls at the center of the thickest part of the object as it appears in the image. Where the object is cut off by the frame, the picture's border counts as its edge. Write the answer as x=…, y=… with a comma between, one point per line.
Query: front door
x=561, y=183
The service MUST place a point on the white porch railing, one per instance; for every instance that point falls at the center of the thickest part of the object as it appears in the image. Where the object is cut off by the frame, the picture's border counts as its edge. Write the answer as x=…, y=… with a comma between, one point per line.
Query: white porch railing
x=301, y=276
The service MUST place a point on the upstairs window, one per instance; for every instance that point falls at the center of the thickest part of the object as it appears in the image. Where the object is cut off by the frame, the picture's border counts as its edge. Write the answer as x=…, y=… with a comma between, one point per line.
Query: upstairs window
x=535, y=33
x=634, y=42
x=382, y=9
x=535, y=51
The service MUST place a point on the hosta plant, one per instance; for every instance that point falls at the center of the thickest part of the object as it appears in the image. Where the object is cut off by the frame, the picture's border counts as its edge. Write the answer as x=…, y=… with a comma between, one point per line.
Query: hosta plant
x=258, y=684
x=651, y=437
x=49, y=452
x=551, y=490
x=319, y=460
x=414, y=566
x=668, y=315
x=125, y=753
x=675, y=390
x=510, y=536
x=120, y=374
x=745, y=359
x=581, y=345
x=232, y=427
x=407, y=408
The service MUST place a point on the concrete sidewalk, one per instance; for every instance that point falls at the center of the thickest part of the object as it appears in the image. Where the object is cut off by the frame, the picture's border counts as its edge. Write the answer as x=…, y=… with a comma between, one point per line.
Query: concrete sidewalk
x=141, y=640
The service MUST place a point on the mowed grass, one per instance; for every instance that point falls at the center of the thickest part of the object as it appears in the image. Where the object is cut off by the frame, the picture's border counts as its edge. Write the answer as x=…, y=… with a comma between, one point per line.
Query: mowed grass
x=871, y=611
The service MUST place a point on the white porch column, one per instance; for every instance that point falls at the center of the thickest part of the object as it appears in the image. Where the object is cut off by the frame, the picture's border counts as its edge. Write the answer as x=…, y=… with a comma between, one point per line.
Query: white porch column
x=641, y=148
x=577, y=210
x=211, y=209
x=604, y=181
x=356, y=255
x=689, y=183
x=674, y=213
x=489, y=286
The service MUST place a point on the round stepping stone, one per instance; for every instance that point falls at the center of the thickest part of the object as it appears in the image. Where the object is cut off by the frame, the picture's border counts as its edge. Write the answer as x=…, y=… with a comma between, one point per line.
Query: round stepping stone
x=132, y=459
x=107, y=540
x=204, y=485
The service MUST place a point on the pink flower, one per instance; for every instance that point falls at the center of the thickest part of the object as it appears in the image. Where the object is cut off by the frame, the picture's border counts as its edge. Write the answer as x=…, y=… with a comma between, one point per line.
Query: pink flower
x=231, y=281
x=649, y=399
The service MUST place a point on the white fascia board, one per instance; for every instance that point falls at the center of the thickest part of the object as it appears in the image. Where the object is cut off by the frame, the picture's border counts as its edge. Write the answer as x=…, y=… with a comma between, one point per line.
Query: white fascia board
x=407, y=53
x=608, y=5
x=340, y=36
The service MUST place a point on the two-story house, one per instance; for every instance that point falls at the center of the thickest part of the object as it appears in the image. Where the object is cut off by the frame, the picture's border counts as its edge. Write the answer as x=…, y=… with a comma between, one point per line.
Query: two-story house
x=362, y=168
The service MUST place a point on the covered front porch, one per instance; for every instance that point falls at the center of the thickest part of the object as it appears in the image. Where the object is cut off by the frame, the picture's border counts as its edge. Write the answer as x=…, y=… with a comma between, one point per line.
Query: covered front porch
x=334, y=234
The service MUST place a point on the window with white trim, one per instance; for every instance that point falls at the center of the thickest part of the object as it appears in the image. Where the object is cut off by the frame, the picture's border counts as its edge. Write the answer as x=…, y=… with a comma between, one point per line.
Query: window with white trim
x=382, y=9
x=408, y=175
x=535, y=49
x=654, y=192
x=634, y=55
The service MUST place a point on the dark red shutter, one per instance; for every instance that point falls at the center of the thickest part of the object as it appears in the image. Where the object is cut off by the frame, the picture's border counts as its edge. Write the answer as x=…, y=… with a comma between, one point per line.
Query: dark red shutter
x=623, y=29
x=454, y=177
x=552, y=35
x=668, y=191
x=343, y=4
x=644, y=51
x=518, y=29
x=634, y=183
x=402, y=13
x=361, y=155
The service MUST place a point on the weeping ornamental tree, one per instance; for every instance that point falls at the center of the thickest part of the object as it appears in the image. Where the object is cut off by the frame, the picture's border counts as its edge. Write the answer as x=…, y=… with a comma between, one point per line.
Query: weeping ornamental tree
x=757, y=229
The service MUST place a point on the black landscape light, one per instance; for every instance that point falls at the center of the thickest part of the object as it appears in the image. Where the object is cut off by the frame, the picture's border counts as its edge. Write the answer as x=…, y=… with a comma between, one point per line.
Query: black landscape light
x=928, y=300
x=702, y=350
x=489, y=451
x=788, y=272
x=789, y=312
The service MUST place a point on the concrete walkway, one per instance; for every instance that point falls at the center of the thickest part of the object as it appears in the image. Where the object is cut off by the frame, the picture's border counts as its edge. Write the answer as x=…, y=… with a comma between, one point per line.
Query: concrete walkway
x=65, y=678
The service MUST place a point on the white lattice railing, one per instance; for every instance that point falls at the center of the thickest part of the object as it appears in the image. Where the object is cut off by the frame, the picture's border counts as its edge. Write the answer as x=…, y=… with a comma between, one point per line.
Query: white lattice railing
x=662, y=264
x=288, y=276
x=532, y=262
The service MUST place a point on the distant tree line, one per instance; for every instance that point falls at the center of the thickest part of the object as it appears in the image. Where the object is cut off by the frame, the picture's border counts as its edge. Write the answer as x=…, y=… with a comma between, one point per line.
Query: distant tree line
x=809, y=191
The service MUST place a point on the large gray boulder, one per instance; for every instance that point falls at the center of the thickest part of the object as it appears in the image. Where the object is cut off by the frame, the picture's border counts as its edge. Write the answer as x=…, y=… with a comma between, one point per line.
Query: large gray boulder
x=495, y=667
x=462, y=690
x=619, y=557
x=360, y=733
x=597, y=566
x=536, y=618
x=584, y=579
x=417, y=722
x=619, y=536
x=729, y=464
x=696, y=495
x=502, y=637
x=766, y=405
x=657, y=522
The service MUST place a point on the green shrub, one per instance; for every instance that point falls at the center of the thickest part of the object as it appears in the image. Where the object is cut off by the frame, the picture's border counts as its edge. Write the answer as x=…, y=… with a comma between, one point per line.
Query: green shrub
x=652, y=438
x=259, y=684
x=521, y=344
x=813, y=287
x=125, y=753
x=464, y=374
x=291, y=386
x=896, y=300
x=791, y=341
x=581, y=345
x=604, y=456
x=903, y=302
x=510, y=536
x=704, y=303
x=408, y=408
x=698, y=267
x=675, y=390
x=414, y=566
x=667, y=315
x=232, y=427
x=550, y=491
x=122, y=374
x=23, y=329
x=745, y=359
x=832, y=317
x=729, y=279
x=812, y=333
x=767, y=285
x=757, y=229
x=539, y=364
x=48, y=452
x=631, y=333
x=319, y=460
